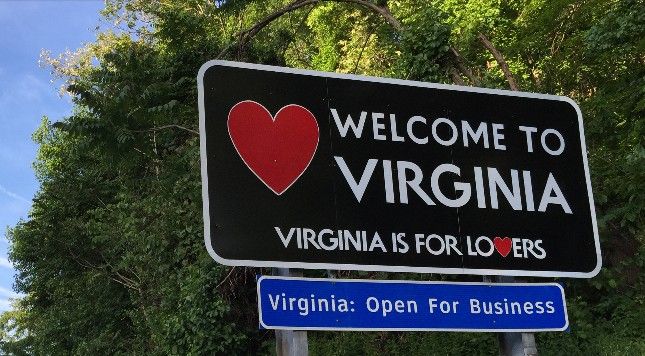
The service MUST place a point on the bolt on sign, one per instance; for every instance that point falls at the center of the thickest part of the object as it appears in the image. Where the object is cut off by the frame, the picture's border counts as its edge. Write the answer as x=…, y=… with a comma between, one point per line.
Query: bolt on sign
x=306, y=169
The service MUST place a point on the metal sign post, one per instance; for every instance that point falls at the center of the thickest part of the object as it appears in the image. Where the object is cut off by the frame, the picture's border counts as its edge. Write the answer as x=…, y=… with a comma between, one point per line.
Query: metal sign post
x=512, y=343
x=290, y=342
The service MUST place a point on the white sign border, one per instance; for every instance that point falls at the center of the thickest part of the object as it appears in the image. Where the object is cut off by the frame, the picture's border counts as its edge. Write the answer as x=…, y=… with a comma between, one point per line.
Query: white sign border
x=259, y=281
x=444, y=270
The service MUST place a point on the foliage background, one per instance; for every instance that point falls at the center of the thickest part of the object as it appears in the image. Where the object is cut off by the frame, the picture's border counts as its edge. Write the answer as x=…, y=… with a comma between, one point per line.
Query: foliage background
x=111, y=258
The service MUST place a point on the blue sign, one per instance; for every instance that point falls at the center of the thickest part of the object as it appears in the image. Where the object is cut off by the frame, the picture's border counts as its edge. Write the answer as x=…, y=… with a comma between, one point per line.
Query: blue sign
x=336, y=304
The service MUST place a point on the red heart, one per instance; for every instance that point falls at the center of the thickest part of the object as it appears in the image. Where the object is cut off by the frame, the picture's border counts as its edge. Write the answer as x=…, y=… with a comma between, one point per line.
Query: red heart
x=503, y=246
x=277, y=149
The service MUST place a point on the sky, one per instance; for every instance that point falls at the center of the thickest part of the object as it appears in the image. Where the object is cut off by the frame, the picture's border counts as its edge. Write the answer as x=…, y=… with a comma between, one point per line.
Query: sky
x=27, y=93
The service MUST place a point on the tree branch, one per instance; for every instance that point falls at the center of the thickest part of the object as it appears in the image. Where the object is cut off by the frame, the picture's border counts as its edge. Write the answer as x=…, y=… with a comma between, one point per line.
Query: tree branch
x=360, y=55
x=244, y=37
x=125, y=284
x=500, y=60
x=381, y=10
x=153, y=129
x=225, y=278
x=456, y=78
x=459, y=62
x=109, y=270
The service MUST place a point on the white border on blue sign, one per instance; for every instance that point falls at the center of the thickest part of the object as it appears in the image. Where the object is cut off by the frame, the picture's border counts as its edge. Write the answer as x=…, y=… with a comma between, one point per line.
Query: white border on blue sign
x=564, y=305
x=382, y=268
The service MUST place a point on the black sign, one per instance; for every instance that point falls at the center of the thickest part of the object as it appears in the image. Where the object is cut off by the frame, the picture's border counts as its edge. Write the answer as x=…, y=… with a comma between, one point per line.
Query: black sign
x=306, y=169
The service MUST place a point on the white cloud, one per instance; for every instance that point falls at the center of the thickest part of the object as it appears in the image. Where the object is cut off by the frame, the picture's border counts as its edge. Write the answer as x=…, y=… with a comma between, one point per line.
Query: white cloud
x=25, y=90
x=33, y=89
x=4, y=262
x=5, y=304
x=14, y=195
x=8, y=293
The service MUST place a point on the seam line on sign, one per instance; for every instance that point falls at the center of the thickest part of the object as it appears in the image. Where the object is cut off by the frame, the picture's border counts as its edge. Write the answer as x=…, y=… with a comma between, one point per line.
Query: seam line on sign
x=331, y=151
x=461, y=237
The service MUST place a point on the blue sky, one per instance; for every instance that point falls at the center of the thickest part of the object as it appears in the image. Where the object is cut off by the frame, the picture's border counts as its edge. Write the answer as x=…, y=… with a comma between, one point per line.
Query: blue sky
x=26, y=94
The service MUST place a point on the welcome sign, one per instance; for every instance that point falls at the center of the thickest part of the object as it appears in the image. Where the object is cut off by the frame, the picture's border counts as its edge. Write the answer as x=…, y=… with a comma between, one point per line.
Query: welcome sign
x=336, y=304
x=306, y=169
